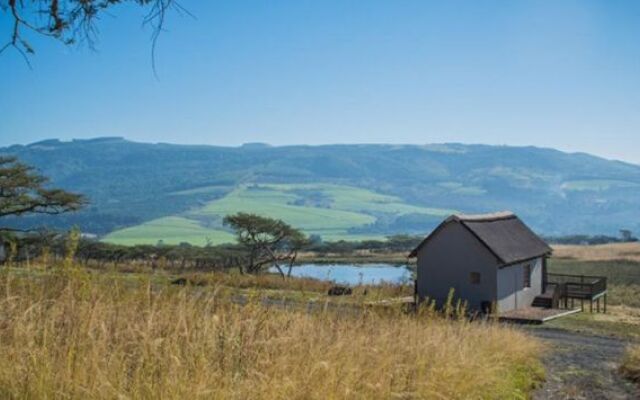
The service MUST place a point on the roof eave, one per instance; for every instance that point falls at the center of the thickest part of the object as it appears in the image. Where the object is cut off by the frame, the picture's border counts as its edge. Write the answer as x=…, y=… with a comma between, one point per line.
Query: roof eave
x=511, y=263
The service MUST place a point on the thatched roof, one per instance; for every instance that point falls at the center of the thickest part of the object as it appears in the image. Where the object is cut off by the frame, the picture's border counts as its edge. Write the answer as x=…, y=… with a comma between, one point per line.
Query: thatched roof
x=503, y=234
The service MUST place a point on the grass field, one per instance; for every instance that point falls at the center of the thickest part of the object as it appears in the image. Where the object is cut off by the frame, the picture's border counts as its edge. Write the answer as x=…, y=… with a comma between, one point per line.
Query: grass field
x=321, y=209
x=620, y=263
x=623, y=277
x=78, y=335
x=597, y=185
x=170, y=230
x=602, y=252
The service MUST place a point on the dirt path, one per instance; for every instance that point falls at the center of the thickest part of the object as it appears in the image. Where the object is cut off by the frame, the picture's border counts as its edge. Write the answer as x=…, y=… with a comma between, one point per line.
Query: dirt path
x=581, y=366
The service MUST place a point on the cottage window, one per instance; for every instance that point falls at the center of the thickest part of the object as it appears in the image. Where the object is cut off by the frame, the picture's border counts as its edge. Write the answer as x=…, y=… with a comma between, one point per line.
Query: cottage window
x=474, y=278
x=527, y=275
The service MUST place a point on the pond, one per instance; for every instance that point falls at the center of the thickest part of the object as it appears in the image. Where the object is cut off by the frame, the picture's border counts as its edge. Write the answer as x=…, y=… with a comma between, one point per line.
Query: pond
x=354, y=274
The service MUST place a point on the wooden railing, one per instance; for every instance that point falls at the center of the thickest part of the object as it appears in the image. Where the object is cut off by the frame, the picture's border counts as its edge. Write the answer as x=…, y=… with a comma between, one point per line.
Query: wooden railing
x=578, y=286
x=559, y=293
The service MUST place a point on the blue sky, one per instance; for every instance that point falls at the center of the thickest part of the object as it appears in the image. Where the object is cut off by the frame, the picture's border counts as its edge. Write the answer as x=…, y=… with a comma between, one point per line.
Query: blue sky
x=563, y=74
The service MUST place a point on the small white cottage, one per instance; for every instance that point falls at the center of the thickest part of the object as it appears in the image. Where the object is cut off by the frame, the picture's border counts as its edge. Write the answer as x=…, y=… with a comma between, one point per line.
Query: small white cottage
x=487, y=259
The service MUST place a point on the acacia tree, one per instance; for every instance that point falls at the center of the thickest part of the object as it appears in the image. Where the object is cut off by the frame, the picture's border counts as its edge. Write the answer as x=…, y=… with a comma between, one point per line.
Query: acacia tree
x=70, y=20
x=23, y=192
x=268, y=241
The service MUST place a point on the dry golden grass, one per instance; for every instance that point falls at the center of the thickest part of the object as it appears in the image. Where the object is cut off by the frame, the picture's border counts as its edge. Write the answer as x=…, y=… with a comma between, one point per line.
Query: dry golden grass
x=622, y=314
x=631, y=363
x=602, y=252
x=298, y=286
x=74, y=335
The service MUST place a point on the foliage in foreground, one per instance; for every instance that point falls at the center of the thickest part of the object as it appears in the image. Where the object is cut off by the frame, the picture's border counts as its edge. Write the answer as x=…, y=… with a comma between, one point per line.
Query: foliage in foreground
x=23, y=191
x=78, y=335
x=631, y=363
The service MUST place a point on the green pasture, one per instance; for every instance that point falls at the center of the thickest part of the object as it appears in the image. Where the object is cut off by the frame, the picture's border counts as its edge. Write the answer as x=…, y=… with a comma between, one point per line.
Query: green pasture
x=321, y=209
x=170, y=230
x=598, y=185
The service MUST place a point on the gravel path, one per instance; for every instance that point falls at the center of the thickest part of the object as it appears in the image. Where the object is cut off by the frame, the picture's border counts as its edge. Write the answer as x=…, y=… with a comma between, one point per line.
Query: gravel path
x=581, y=366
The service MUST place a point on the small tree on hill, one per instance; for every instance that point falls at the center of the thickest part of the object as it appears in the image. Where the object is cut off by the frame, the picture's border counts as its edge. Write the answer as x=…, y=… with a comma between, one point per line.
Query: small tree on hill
x=268, y=241
x=23, y=192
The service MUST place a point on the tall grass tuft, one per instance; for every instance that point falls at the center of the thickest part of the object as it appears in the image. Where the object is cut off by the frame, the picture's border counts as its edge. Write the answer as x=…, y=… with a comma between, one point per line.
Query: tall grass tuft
x=77, y=335
x=631, y=363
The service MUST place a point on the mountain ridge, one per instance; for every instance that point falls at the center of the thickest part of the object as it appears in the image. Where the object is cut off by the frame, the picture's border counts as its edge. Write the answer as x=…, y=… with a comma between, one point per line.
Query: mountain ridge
x=130, y=183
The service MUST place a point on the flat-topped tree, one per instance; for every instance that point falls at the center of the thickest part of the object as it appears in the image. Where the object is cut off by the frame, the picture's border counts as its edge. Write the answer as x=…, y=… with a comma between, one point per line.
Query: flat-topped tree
x=268, y=241
x=23, y=191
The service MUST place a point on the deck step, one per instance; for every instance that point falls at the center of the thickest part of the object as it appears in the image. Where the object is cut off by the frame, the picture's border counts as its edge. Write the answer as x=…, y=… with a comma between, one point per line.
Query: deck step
x=542, y=301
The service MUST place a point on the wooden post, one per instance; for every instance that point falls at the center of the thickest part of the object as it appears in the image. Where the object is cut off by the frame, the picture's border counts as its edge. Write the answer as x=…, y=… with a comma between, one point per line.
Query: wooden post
x=605, y=303
x=591, y=306
x=545, y=279
x=598, y=305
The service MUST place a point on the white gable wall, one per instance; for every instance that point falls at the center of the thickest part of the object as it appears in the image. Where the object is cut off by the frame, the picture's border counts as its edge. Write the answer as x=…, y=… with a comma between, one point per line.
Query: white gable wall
x=447, y=260
x=511, y=291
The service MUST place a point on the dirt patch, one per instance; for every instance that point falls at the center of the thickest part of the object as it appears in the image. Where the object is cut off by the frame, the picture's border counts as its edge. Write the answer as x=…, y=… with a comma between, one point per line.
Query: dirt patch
x=581, y=366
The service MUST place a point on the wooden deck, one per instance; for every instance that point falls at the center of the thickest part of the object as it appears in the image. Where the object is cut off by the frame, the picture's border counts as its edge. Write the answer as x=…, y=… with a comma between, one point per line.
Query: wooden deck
x=534, y=315
x=567, y=289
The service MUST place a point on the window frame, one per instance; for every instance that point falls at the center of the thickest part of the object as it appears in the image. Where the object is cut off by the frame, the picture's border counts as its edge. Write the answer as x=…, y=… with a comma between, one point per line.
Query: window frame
x=475, y=278
x=527, y=271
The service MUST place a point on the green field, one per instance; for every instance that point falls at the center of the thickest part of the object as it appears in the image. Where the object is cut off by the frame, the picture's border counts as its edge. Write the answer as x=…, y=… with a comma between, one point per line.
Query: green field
x=169, y=230
x=330, y=211
x=623, y=287
x=598, y=185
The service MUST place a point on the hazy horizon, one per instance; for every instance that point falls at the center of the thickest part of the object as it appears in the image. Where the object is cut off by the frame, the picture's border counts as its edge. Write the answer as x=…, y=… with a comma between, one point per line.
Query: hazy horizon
x=68, y=140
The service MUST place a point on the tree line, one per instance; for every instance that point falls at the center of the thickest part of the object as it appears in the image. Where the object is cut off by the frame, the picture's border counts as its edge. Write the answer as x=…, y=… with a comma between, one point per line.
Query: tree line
x=49, y=246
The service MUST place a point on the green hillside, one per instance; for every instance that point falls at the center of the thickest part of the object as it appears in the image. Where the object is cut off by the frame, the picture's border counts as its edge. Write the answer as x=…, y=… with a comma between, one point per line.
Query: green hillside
x=144, y=192
x=333, y=212
x=169, y=230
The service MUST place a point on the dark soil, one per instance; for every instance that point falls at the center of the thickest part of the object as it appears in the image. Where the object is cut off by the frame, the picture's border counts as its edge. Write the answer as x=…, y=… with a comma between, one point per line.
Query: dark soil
x=582, y=366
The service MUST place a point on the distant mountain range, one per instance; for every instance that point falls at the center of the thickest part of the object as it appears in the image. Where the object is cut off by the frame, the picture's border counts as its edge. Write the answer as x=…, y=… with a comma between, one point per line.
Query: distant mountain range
x=144, y=193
